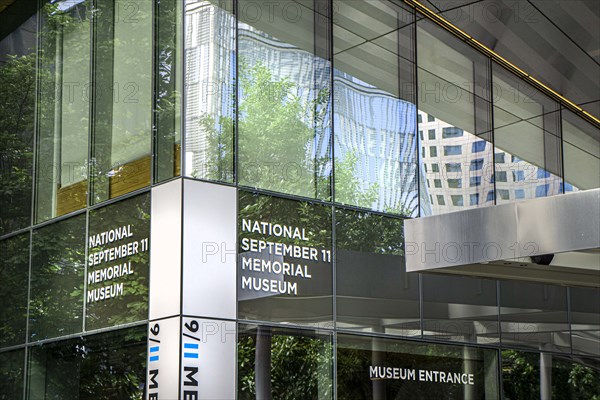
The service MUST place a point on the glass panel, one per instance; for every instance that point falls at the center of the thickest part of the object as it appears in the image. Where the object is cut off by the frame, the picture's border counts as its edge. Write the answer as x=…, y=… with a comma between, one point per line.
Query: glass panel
x=209, y=97
x=63, y=111
x=168, y=65
x=117, y=265
x=122, y=97
x=57, y=279
x=520, y=375
x=460, y=309
x=107, y=366
x=11, y=374
x=17, y=91
x=526, y=128
x=374, y=120
x=454, y=95
x=377, y=368
x=581, y=151
x=284, y=94
x=578, y=380
x=14, y=274
x=534, y=315
x=585, y=320
x=286, y=364
x=374, y=292
x=284, y=264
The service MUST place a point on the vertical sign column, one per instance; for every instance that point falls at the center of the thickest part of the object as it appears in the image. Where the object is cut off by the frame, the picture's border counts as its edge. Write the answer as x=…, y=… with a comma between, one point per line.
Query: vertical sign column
x=208, y=341
x=164, y=327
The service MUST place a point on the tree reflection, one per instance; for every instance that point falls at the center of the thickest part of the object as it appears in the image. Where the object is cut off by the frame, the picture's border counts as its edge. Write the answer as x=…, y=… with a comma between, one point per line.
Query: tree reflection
x=300, y=366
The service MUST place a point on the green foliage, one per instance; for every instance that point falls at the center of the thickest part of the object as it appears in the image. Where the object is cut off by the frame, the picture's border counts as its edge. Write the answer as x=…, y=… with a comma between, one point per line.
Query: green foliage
x=369, y=233
x=17, y=91
x=300, y=367
x=520, y=373
x=278, y=130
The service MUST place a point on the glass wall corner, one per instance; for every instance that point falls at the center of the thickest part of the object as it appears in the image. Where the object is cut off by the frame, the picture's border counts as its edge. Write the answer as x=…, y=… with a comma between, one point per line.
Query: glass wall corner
x=209, y=102
x=167, y=149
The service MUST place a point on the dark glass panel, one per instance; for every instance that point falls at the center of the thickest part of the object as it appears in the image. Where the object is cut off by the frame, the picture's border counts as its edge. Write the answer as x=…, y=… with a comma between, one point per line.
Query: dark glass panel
x=11, y=374
x=14, y=274
x=57, y=279
x=460, y=309
x=534, y=315
x=374, y=292
x=118, y=262
x=377, y=368
x=106, y=366
x=576, y=379
x=286, y=364
x=167, y=97
x=284, y=264
x=585, y=320
x=520, y=375
x=17, y=93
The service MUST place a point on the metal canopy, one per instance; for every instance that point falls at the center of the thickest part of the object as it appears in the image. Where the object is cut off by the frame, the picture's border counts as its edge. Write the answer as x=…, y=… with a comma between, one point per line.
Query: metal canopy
x=506, y=241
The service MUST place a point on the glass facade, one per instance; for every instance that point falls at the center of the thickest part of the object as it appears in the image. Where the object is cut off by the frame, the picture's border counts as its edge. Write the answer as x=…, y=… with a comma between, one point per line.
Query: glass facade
x=314, y=130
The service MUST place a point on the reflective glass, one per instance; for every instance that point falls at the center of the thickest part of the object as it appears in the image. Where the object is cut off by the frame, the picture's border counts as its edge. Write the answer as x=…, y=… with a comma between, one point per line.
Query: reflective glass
x=14, y=274
x=63, y=109
x=286, y=364
x=460, y=309
x=585, y=320
x=377, y=368
x=117, y=264
x=57, y=279
x=17, y=106
x=575, y=379
x=534, y=315
x=549, y=376
x=209, y=97
x=11, y=374
x=168, y=81
x=106, y=366
x=520, y=375
x=454, y=93
x=581, y=152
x=374, y=113
x=284, y=93
x=374, y=292
x=122, y=96
x=284, y=264
x=527, y=127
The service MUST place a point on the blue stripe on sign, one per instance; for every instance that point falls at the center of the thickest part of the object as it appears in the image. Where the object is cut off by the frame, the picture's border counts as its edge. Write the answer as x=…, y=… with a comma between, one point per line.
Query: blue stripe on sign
x=190, y=355
x=153, y=349
x=190, y=345
x=154, y=358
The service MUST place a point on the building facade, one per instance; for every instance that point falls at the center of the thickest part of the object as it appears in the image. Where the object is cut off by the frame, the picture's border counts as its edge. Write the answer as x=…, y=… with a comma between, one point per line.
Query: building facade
x=243, y=199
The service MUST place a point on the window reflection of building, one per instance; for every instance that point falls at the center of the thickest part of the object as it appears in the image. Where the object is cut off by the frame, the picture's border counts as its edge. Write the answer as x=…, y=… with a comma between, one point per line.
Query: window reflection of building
x=467, y=177
x=378, y=128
